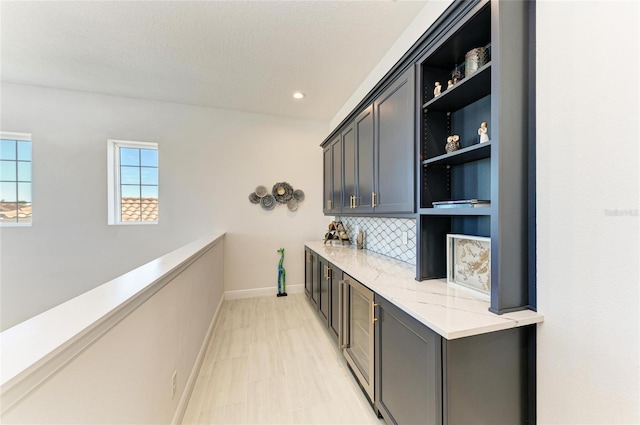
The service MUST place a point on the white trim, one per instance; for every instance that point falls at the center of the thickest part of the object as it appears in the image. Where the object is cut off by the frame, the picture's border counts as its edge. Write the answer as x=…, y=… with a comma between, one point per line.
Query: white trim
x=195, y=371
x=113, y=180
x=8, y=135
x=261, y=292
x=16, y=224
x=22, y=137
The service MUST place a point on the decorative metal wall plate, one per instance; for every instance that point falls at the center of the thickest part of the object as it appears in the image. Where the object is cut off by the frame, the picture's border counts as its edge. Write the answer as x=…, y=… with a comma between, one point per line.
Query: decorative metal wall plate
x=268, y=202
x=283, y=192
x=298, y=195
x=253, y=198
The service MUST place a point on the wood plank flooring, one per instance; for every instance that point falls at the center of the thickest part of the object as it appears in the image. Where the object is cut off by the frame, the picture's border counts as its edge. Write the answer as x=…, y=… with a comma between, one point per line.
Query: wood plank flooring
x=270, y=361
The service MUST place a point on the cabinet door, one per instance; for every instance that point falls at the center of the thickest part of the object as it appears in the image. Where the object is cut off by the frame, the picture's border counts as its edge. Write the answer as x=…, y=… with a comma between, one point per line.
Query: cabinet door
x=323, y=290
x=332, y=164
x=364, y=145
x=315, y=278
x=310, y=267
x=395, y=146
x=349, y=165
x=327, y=163
x=336, y=169
x=334, y=304
x=408, y=368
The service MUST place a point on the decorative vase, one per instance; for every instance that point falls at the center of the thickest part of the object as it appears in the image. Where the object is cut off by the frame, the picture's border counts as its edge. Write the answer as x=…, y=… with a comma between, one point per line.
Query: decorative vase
x=474, y=59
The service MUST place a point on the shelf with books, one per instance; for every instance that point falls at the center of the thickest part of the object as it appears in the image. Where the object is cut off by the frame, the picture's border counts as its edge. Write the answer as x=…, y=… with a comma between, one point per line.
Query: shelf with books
x=484, y=211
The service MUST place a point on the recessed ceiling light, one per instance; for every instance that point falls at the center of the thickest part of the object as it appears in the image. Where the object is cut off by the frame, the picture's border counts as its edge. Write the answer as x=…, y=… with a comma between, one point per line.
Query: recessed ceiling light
x=298, y=95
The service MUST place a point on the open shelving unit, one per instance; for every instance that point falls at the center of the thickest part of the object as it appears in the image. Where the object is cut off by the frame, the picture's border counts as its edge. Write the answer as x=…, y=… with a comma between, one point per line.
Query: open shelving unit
x=496, y=93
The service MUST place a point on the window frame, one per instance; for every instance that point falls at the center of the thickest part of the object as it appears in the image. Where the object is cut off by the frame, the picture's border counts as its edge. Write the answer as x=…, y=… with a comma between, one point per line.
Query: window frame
x=20, y=137
x=114, y=216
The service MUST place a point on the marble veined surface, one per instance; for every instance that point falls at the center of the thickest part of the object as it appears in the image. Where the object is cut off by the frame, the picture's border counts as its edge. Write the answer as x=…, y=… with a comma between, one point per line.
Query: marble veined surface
x=451, y=312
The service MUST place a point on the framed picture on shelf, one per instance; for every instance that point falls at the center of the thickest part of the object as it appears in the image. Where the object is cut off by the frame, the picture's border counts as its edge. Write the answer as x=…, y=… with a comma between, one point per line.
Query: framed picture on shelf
x=469, y=263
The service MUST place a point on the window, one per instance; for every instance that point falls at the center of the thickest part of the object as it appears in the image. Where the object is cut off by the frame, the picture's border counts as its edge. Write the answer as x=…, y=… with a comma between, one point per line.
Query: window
x=133, y=182
x=15, y=179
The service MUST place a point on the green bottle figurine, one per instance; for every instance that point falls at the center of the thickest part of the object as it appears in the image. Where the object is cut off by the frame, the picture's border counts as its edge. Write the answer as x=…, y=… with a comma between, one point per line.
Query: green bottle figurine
x=282, y=273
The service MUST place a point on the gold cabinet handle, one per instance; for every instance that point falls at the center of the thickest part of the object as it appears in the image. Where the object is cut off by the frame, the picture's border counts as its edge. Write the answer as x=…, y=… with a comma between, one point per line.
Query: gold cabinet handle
x=373, y=200
x=374, y=319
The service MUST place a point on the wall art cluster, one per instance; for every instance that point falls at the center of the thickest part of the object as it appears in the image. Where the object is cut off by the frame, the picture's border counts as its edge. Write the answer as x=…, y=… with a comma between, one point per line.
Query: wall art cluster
x=282, y=193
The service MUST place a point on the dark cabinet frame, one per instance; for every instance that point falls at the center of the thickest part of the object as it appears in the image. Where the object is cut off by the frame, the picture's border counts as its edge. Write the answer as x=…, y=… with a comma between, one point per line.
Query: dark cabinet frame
x=321, y=287
x=423, y=378
x=502, y=93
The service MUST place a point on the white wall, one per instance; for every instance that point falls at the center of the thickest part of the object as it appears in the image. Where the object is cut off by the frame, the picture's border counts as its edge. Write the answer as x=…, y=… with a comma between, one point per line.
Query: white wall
x=427, y=16
x=210, y=160
x=588, y=160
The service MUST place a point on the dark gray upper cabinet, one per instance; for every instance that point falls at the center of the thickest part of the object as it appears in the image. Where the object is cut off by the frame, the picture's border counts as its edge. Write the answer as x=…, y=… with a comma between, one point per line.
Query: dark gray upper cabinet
x=395, y=145
x=364, y=166
x=378, y=148
x=332, y=163
x=349, y=164
x=358, y=154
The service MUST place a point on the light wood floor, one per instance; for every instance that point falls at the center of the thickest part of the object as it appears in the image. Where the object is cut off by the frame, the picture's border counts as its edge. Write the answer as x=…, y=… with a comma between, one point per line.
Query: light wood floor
x=271, y=362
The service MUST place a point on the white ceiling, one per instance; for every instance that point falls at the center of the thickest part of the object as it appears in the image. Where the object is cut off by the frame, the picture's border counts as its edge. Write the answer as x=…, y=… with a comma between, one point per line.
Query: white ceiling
x=241, y=55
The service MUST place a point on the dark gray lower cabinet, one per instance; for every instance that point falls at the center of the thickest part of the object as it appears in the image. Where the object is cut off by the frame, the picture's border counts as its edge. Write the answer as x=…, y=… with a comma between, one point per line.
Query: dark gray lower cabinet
x=422, y=378
x=325, y=281
x=408, y=368
x=321, y=286
x=310, y=258
x=334, y=304
x=311, y=276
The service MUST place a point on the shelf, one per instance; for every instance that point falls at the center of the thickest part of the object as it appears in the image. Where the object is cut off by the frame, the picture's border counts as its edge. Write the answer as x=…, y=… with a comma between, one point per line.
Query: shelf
x=480, y=211
x=468, y=154
x=472, y=88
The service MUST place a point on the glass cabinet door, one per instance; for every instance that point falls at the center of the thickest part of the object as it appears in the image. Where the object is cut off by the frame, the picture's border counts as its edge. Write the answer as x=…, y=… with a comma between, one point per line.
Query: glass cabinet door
x=357, y=338
x=359, y=319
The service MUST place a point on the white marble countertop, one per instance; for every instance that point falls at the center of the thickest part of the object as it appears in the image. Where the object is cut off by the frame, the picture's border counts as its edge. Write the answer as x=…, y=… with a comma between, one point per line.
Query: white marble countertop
x=451, y=312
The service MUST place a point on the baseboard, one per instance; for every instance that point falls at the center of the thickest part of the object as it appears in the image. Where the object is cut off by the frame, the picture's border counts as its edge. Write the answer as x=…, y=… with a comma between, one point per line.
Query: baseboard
x=261, y=292
x=195, y=371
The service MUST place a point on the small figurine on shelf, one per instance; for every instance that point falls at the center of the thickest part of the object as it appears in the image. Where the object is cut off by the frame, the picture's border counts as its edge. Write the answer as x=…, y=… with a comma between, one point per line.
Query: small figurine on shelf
x=482, y=132
x=449, y=84
x=436, y=91
x=453, y=143
x=456, y=75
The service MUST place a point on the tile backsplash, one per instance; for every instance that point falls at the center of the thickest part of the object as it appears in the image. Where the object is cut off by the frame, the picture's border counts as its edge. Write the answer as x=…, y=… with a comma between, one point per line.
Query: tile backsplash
x=384, y=235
